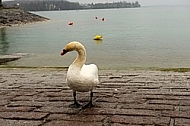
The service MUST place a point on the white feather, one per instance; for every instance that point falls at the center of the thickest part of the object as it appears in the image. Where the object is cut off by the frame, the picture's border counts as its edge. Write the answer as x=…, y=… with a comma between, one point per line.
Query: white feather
x=84, y=79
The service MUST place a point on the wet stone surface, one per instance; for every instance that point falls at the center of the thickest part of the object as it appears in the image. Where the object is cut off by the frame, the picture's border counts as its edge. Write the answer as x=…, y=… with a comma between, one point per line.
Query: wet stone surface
x=40, y=97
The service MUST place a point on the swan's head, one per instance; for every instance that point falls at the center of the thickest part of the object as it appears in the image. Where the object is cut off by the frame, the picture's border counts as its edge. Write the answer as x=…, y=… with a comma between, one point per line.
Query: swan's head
x=72, y=46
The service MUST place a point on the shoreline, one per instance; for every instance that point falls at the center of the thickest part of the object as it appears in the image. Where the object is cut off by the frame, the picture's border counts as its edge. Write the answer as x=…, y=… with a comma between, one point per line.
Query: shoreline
x=15, y=17
x=11, y=57
x=12, y=17
x=180, y=70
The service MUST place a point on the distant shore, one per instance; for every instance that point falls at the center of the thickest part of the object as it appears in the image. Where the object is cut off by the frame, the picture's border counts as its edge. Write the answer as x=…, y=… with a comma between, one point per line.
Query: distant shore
x=15, y=17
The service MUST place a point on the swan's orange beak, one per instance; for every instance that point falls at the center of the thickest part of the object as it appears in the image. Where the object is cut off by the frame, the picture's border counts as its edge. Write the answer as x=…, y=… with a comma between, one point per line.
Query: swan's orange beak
x=64, y=52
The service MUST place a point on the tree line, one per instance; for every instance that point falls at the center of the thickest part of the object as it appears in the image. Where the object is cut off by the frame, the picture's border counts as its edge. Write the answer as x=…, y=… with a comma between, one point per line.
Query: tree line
x=49, y=5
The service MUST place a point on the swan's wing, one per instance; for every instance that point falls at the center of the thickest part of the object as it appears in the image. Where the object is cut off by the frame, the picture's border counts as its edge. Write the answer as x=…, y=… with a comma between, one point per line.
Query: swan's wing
x=90, y=72
x=84, y=79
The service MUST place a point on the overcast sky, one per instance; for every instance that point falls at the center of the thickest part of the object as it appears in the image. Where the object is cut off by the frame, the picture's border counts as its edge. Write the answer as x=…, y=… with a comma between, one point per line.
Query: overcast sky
x=142, y=2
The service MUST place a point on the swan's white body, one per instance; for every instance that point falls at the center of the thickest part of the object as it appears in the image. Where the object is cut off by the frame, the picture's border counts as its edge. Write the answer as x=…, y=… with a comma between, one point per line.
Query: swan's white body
x=81, y=77
x=84, y=79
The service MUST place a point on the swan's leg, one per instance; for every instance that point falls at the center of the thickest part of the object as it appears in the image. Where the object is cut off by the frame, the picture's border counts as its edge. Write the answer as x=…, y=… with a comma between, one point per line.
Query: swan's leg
x=75, y=104
x=89, y=105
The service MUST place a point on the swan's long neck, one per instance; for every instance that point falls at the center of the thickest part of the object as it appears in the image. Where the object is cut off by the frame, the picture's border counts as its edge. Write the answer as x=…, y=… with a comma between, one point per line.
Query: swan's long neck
x=81, y=58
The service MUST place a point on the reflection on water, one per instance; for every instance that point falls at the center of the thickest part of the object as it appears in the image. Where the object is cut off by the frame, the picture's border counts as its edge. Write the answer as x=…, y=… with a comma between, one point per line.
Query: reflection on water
x=98, y=41
x=4, y=44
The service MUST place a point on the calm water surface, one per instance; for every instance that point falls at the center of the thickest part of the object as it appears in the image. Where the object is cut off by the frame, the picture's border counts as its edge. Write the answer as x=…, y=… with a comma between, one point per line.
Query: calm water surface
x=139, y=37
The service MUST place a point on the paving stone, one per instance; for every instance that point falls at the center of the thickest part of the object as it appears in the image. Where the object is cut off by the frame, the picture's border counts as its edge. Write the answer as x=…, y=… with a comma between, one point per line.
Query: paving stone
x=16, y=109
x=77, y=117
x=147, y=107
x=176, y=114
x=72, y=123
x=170, y=102
x=182, y=122
x=4, y=102
x=6, y=122
x=58, y=110
x=143, y=120
x=23, y=115
x=137, y=112
x=40, y=97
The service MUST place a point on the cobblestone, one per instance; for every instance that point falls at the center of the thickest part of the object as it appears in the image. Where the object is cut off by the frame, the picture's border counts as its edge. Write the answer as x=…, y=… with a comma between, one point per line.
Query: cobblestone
x=40, y=97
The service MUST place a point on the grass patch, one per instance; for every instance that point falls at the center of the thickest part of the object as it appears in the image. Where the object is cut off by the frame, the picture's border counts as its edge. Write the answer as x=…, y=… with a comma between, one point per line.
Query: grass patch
x=133, y=68
x=33, y=67
x=175, y=69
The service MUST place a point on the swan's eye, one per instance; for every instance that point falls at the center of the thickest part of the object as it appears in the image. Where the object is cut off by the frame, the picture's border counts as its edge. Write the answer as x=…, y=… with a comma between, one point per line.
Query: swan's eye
x=64, y=50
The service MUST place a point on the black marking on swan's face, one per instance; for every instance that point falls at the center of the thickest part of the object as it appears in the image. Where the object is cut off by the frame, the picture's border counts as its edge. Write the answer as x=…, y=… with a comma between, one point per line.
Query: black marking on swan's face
x=64, y=52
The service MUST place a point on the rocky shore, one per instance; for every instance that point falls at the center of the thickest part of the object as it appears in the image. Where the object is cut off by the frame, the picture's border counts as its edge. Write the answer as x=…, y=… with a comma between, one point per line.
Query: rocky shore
x=12, y=17
x=15, y=17
x=11, y=57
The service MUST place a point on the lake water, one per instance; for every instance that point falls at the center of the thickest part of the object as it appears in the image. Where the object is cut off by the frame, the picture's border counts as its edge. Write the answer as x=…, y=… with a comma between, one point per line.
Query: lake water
x=133, y=37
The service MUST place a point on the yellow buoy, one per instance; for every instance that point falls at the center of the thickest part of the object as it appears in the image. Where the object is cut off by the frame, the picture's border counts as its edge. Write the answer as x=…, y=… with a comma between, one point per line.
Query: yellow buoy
x=98, y=37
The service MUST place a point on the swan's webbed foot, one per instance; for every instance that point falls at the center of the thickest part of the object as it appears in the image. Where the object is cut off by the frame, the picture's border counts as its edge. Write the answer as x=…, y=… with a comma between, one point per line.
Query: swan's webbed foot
x=75, y=105
x=89, y=105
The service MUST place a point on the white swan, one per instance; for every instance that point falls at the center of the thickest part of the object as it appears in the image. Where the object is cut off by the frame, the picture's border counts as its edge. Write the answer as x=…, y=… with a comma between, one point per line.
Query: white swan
x=80, y=77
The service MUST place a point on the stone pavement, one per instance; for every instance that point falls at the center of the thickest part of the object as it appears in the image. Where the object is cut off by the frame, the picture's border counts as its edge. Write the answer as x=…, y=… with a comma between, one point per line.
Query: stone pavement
x=40, y=97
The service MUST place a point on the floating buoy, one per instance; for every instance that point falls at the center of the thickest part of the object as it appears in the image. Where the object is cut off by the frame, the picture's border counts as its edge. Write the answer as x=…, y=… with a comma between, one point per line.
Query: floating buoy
x=103, y=19
x=96, y=17
x=70, y=23
x=98, y=37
